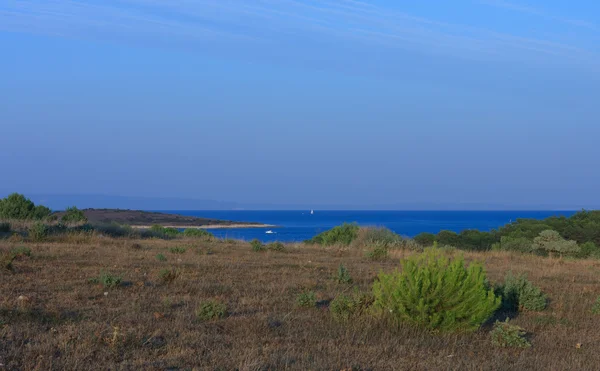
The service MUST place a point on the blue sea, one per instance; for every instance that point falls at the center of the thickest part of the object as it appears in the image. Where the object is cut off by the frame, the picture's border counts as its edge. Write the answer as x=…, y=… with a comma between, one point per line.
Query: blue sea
x=300, y=225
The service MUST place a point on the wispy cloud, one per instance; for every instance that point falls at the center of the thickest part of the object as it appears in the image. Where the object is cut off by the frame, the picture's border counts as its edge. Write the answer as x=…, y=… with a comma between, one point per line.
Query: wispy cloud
x=284, y=24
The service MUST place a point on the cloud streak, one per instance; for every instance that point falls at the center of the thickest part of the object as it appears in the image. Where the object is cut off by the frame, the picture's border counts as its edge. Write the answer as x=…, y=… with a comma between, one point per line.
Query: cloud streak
x=284, y=24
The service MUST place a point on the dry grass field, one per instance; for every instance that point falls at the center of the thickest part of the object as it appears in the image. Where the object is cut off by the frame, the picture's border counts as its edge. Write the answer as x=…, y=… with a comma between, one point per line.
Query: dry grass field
x=55, y=315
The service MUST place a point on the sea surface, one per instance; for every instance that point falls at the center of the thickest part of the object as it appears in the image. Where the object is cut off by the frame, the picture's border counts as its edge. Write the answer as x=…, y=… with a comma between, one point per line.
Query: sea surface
x=300, y=225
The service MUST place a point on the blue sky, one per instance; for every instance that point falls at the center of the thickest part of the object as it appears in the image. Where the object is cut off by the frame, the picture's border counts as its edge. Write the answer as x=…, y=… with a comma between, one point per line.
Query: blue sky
x=303, y=102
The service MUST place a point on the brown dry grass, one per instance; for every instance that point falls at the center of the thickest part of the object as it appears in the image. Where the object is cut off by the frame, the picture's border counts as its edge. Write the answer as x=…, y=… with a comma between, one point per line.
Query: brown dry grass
x=62, y=321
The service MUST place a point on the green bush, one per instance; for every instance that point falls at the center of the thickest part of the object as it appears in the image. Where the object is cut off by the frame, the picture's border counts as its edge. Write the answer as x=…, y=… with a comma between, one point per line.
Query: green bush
x=197, y=233
x=171, y=232
x=6, y=260
x=108, y=280
x=379, y=252
x=551, y=242
x=306, y=299
x=38, y=231
x=589, y=250
x=4, y=227
x=520, y=244
x=518, y=293
x=210, y=310
x=256, y=245
x=73, y=215
x=341, y=235
x=276, y=246
x=157, y=228
x=116, y=230
x=169, y=275
x=345, y=307
x=425, y=239
x=161, y=258
x=21, y=251
x=596, y=306
x=17, y=206
x=177, y=250
x=343, y=276
x=435, y=292
x=505, y=335
x=378, y=236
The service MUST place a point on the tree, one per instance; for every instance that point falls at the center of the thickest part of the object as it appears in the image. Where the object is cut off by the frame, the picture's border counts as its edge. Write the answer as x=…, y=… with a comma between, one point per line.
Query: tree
x=552, y=242
x=17, y=206
x=74, y=215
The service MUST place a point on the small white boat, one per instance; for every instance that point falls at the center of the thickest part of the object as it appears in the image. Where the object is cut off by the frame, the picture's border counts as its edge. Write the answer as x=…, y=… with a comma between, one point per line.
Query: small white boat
x=312, y=212
x=269, y=232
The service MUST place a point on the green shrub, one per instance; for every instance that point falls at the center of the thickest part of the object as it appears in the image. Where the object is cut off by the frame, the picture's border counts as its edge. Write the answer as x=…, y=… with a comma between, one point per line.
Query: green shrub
x=116, y=230
x=589, y=250
x=518, y=293
x=520, y=244
x=551, y=242
x=345, y=307
x=109, y=280
x=157, y=228
x=17, y=206
x=21, y=251
x=6, y=260
x=161, y=258
x=343, y=276
x=425, y=239
x=378, y=236
x=73, y=215
x=177, y=250
x=257, y=245
x=505, y=335
x=435, y=292
x=276, y=246
x=306, y=299
x=210, y=310
x=4, y=227
x=38, y=231
x=596, y=306
x=379, y=252
x=197, y=233
x=171, y=232
x=169, y=275
x=341, y=235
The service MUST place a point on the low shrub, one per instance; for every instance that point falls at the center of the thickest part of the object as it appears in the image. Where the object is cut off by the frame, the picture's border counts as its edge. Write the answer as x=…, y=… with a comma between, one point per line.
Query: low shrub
x=343, y=276
x=435, y=292
x=276, y=246
x=4, y=227
x=518, y=293
x=6, y=261
x=21, y=251
x=378, y=236
x=38, y=231
x=425, y=239
x=505, y=335
x=256, y=245
x=596, y=306
x=116, y=230
x=73, y=215
x=109, y=281
x=589, y=250
x=197, y=233
x=211, y=310
x=551, y=242
x=379, y=252
x=161, y=258
x=171, y=232
x=177, y=250
x=345, y=307
x=169, y=275
x=306, y=299
x=341, y=235
x=520, y=244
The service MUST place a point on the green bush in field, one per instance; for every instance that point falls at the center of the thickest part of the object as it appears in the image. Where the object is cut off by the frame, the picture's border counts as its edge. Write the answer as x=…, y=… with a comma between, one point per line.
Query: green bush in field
x=177, y=250
x=425, y=239
x=276, y=246
x=379, y=236
x=21, y=251
x=197, y=233
x=552, y=242
x=17, y=206
x=109, y=280
x=589, y=250
x=73, y=215
x=169, y=275
x=210, y=310
x=345, y=307
x=520, y=244
x=343, y=276
x=596, y=306
x=38, y=231
x=171, y=232
x=435, y=292
x=341, y=235
x=161, y=258
x=505, y=335
x=157, y=228
x=518, y=293
x=256, y=245
x=307, y=299
x=379, y=252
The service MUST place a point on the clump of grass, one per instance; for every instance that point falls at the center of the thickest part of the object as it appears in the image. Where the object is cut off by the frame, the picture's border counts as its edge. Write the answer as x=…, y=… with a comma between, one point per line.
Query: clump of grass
x=135, y=246
x=161, y=258
x=345, y=307
x=596, y=306
x=177, y=250
x=379, y=252
x=6, y=261
x=256, y=245
x=431, y=291
x=109, y=280
x=505, y=335
x=197, y=233
x=21, y=251
x=306, y=299
x=518, y=293
x=276, y=246
x=211, y=310
x=169, y=275
x=38, y=231
x=341, y=235
x=378, y=236
x=343, y=275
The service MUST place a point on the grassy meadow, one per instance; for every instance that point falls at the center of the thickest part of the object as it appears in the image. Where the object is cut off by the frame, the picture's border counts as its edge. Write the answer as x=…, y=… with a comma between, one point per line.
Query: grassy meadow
x=86, y=300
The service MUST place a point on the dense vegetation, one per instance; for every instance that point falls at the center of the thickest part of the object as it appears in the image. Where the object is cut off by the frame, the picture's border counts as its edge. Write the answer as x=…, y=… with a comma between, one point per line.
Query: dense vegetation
x=17, y=207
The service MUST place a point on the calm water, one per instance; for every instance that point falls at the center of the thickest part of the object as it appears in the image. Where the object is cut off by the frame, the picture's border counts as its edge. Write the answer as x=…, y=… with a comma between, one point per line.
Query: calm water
x=300, y=225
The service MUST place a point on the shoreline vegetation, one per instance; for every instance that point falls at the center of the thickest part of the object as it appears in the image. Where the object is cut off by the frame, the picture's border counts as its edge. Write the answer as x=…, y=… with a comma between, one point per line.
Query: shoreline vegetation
x=213, y=226
x=525, y=296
